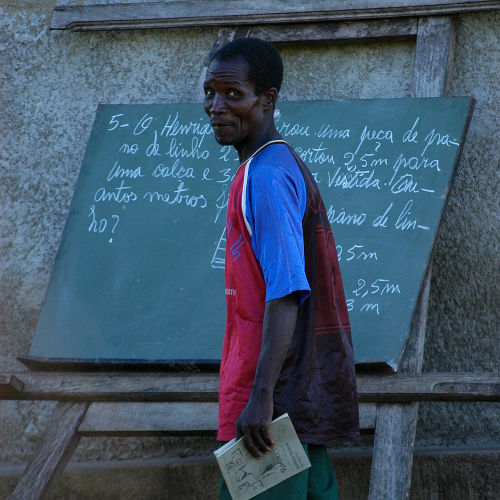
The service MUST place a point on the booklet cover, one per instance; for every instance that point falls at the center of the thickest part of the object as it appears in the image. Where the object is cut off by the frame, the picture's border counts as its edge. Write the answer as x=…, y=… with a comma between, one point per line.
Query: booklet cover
x=246, y=476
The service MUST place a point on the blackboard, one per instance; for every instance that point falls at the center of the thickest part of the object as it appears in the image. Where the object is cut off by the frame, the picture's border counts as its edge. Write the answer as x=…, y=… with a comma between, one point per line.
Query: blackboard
x=139, y=272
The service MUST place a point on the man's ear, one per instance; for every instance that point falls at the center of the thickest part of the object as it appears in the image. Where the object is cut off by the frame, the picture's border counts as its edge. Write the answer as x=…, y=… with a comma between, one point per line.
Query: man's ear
x=270, y=97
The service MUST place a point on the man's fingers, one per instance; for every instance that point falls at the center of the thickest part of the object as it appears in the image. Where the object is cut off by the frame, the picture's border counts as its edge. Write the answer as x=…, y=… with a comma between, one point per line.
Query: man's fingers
x=250, y=446
x=258, y=438
x=267, y=437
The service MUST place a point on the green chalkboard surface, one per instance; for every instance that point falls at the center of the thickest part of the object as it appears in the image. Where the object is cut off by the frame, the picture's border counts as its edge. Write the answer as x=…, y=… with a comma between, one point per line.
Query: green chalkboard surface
x=139, y=272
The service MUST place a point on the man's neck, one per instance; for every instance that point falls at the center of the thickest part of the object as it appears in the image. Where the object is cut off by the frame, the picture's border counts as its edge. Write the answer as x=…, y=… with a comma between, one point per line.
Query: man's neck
x=249, y=147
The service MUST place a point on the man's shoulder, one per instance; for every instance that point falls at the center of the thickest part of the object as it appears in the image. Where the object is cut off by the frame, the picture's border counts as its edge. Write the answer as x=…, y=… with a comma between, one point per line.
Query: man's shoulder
x=275, y=161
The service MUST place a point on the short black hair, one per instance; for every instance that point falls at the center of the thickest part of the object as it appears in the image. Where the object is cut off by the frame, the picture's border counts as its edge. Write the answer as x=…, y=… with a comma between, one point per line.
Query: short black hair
x=265, y=67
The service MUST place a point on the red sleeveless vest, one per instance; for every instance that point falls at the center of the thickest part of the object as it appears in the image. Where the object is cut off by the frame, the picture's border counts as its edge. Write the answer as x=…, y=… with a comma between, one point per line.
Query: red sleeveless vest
x=317, y=383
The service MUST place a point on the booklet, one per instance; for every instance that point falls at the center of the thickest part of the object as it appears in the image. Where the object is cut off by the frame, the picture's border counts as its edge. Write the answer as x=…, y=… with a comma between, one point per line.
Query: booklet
x=247, y=476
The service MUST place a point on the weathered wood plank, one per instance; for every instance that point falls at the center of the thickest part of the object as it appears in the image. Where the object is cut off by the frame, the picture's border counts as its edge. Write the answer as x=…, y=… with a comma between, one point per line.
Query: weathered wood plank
x=434, y=52
x=429, y=387
x=179, y=13
x=337, y=31
x=367, y=416
x=113, y=386
x=10, y=384
x=55, y=449
x=132, y=419
x=117, y=386
x=310, y=33
x=411, y=361
x=397, y=423
x=186, y=419
x=392, y=459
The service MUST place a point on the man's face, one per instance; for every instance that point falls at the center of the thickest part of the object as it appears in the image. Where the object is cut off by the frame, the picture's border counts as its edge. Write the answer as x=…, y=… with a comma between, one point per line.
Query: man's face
x=235, y=112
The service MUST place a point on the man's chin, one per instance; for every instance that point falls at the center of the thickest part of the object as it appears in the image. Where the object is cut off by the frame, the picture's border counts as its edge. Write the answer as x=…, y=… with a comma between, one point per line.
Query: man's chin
x=224, y=141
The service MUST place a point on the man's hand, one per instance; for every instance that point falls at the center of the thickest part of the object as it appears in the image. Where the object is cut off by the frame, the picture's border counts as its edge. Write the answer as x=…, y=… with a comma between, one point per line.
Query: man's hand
x=253, y=424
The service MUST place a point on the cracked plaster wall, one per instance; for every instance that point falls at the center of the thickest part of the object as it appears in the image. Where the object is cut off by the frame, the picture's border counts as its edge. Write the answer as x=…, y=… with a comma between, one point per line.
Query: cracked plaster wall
x=50, y=85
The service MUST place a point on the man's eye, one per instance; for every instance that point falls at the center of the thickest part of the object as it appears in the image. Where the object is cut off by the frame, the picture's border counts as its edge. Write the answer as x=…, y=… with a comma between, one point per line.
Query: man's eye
x=233, y=93
x=209, y=93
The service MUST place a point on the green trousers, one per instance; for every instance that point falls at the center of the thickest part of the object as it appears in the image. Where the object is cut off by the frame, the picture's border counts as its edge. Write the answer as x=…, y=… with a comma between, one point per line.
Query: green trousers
x=316, y=483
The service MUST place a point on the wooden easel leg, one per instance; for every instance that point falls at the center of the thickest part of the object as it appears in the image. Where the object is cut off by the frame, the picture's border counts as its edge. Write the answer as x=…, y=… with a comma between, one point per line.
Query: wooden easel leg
x=396, y=424
x=433, y=56
x=393, y=451
x=55, y=449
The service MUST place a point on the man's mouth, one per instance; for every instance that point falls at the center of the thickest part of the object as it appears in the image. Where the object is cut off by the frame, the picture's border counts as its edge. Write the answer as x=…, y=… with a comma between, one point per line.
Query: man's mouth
x=219, y=125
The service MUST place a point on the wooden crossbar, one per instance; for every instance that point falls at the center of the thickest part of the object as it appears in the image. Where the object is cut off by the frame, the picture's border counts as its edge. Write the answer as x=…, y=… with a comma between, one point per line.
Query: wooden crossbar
x=98, y=405
x=10, y=384
x=172, y=419
x=139, y=15
x=55, y=450
x=119, y=386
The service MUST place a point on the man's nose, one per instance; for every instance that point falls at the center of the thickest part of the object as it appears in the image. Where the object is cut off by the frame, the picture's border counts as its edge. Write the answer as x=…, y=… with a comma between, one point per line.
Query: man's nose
x=218, y=104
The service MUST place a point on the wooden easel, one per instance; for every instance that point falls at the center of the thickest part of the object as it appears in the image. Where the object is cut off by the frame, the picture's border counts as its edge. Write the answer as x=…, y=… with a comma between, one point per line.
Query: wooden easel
x=138, y=404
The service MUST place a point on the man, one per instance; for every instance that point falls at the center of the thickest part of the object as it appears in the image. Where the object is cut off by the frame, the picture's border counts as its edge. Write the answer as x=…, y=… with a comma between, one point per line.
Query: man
x=287, y=345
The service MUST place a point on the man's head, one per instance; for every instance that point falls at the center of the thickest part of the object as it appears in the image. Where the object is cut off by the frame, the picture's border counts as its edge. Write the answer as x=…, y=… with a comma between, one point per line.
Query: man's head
x=265, y=67
x=241, y=88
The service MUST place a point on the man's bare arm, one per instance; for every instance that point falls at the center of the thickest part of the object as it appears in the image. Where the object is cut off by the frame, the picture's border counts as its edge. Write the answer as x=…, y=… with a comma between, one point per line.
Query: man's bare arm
x=280, y=316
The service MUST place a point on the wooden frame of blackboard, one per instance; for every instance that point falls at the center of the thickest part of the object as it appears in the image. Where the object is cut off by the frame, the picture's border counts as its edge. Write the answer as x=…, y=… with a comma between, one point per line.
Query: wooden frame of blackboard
x=173, y=14
x=99, y=405
x=68, y=364
x=182, y=387
x=393, y=418
x=293, y=34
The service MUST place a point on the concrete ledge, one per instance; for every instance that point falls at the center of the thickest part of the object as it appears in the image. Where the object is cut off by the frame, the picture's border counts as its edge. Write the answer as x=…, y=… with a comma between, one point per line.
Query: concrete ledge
x=438, y=473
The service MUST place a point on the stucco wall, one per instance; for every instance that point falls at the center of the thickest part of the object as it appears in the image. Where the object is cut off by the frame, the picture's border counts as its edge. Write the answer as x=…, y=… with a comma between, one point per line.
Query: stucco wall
x=50, y=85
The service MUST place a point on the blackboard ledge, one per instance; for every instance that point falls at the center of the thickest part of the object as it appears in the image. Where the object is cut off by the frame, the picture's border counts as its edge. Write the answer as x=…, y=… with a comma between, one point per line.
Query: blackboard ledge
x=375, y=367
x=36, y=363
